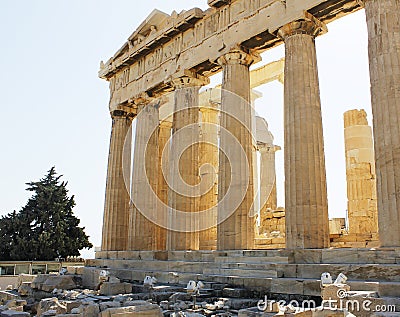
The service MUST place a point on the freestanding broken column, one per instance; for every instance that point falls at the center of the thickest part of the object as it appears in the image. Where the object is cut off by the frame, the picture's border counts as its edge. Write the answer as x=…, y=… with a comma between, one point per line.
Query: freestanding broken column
x=360, y=173
x=116, y=207
x=142, y=230
x=236, y=231
x=184, y=164
x=307, y=224
x=267, y=176
x=383, y=18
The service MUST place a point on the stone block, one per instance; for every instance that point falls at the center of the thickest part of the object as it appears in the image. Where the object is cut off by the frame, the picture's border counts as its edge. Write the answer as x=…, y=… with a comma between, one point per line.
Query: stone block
x=50, y=304
x=90, y=277
x=25, y=278
x=335, y=292
x=140, y=310
x=14, y=313
x=339, y=256
x=312, y=287
x=109, y=304
x=308, y=256
x=235, y=292
x=111, y=288
x=327, y=312
x=25, y=289
x=65, y=282
x=39, y=281
x=75, y=269
x=287, y=286
x=90, y=310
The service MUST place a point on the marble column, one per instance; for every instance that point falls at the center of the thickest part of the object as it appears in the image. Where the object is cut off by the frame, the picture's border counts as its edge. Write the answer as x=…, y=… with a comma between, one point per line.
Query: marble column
x=142, y=230
x=307, y=222
x=116, y=207
x=267, y=176
x=208, y=160
x=236, y=224
x=163, y=143
x=184, y=162
x=360, y=174
x=383, y=21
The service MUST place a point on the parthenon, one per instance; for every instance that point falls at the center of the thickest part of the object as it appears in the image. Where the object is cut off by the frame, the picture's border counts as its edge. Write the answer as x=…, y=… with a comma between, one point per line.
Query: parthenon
x=194, y=182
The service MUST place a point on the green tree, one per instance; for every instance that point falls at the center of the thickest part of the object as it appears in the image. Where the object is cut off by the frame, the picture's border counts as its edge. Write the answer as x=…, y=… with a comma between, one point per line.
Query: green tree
x=46, y=228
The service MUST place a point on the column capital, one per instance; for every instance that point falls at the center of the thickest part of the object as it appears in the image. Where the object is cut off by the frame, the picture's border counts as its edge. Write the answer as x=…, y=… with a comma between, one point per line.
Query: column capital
x=309, y=25
x=239, y=56
x=121, y=114
x=188, y=78
x=264, y=147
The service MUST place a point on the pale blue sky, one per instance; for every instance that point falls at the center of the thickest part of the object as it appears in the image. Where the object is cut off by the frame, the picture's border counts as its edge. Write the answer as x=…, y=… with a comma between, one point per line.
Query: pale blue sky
x=55, y=108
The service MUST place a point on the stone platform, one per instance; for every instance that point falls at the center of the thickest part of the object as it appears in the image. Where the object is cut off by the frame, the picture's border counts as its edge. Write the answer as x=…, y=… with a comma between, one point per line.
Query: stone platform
x=268, y=271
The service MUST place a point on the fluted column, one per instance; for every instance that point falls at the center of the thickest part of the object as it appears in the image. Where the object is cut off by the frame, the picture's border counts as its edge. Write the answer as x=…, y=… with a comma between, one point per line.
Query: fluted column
x=236, y=224
x=268, y=176
x=208, y=160
x=142, y=230
x=116, y=206
x=307, y=223
x=184, y=163
x=163, y=140
x=383, y=20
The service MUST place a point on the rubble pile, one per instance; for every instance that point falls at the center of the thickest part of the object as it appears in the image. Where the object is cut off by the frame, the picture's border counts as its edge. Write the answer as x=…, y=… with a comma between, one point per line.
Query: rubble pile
x=65, y=295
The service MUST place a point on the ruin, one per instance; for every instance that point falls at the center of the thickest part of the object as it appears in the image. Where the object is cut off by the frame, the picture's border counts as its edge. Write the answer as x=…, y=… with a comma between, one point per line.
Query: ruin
x=177, y=54
x=189, y=207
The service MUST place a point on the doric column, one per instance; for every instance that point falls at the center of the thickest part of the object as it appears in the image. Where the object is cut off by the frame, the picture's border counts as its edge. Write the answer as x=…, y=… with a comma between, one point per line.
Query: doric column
x=383, y=18
x=116, y=207
x=360, y=174
x=184, y=162
x=142, y=231
x=236, y=224
x=267, y=176
x=163, y=140
x=307, y=223
x=208, y=161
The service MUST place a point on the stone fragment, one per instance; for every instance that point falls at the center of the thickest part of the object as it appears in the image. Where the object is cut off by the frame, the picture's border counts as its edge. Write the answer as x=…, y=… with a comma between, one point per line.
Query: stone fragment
x=13, y=313
x=235, y=292
x=90, y=310
x=50, y=304
x=110, y=288
x=25, y=289
x=143, y=310
x=25, y=278
x=335, y=292
x=66, y=282
x=109, y=304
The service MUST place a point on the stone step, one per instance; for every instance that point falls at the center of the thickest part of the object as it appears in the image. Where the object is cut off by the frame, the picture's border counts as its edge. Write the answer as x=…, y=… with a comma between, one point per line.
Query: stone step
x=362, y=272
x=265, y=281
x=158, y=255
x=241, y=272
x=372, y=272
x=303, y=286
x=181, y=266
x=252, y=259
